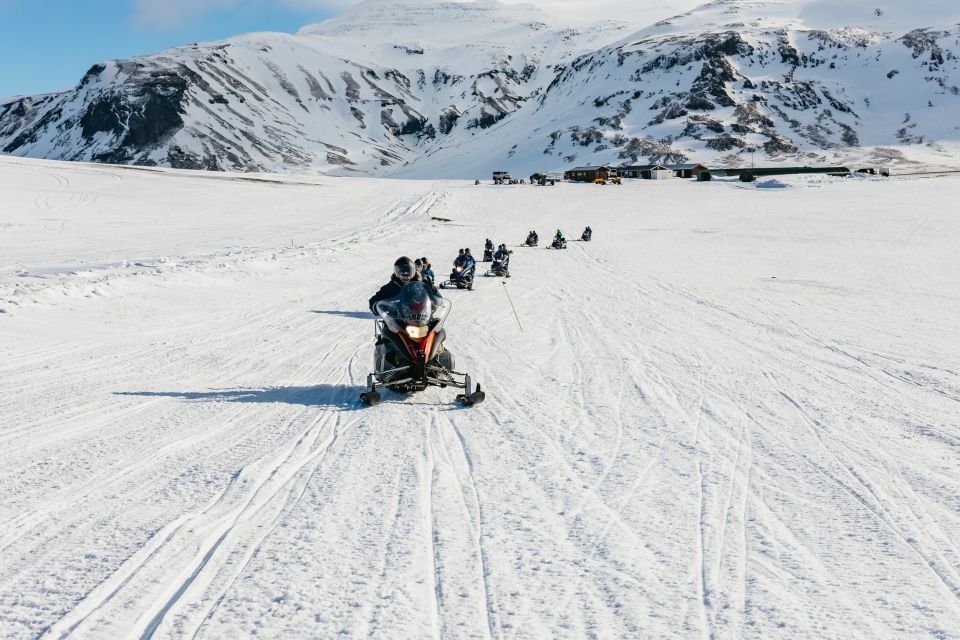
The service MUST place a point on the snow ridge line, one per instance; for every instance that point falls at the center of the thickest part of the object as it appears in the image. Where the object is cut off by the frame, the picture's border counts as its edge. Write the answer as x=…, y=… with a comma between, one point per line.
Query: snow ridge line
x=384, y=225
x=429, y=475
x=237, y=515
x=230, y=520
x=493, y=615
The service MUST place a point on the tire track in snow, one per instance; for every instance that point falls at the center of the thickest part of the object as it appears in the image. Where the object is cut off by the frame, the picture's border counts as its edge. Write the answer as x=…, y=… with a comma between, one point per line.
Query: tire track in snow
x=489, y=596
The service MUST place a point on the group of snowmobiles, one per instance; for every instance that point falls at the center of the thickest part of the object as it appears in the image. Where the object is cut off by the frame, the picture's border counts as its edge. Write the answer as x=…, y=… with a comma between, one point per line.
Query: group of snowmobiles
x=559, y=239
x=409, y=316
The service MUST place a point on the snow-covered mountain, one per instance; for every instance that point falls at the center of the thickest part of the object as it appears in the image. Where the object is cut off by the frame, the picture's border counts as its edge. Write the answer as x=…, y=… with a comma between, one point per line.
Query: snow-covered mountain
x=442, y=88
x=367, y=91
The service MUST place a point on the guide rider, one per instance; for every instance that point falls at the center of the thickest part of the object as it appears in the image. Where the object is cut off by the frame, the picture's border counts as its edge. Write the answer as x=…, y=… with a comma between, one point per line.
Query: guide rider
x=404, y=272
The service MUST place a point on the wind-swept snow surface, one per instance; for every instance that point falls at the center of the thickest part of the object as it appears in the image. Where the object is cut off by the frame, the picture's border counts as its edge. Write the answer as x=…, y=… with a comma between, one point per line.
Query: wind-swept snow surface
x=733, y=414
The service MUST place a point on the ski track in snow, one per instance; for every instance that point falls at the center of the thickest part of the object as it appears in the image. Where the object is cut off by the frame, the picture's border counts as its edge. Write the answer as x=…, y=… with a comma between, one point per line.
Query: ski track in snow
x=733, y=414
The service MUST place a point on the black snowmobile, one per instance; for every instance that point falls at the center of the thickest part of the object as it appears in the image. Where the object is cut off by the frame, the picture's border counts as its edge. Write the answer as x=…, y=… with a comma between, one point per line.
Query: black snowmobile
x=559, y=242
x=410, y=355
x=461, y=278
x=531, y=241
x=587, y=235
x=499, y=268
x=488, y=250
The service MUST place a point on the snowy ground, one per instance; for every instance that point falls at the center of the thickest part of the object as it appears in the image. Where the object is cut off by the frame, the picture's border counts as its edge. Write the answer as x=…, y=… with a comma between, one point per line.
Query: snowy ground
x=735, y=414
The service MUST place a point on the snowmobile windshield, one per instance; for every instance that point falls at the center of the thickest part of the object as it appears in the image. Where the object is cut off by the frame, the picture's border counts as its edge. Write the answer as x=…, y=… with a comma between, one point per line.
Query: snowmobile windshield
x=414, y=307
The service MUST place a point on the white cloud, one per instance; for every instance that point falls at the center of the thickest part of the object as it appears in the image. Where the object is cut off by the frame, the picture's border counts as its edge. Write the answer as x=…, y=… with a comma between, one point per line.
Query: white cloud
x=172, y=13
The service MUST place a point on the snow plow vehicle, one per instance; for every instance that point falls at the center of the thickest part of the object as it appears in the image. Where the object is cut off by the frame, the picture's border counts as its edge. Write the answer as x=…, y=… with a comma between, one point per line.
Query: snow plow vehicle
x=410, y=355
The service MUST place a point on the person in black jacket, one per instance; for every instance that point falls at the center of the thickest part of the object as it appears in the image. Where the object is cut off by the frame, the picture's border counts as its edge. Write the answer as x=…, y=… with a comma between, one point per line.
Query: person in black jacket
x=404, y=272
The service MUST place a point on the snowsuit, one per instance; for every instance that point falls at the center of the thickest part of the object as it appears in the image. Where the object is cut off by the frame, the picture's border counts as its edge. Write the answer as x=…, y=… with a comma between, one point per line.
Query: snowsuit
x=392, y=290
x=427, y=275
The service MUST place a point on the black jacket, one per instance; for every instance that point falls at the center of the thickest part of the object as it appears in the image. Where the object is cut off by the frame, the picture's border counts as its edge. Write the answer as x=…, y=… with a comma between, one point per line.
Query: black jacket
x=392, y=289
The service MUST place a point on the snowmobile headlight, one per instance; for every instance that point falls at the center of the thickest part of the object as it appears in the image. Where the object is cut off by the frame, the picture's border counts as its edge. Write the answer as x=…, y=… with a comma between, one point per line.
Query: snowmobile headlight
x=417, y=333
x=459, y=269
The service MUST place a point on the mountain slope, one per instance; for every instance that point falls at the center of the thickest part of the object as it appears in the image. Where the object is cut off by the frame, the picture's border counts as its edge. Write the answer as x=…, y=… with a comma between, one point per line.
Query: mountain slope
x=733, y=76
x=325, y=98
x=440, y=88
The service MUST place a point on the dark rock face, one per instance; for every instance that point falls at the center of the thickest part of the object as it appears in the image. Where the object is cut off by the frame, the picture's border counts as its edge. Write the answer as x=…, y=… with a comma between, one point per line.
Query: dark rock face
x=753, y=82
x=448, y=119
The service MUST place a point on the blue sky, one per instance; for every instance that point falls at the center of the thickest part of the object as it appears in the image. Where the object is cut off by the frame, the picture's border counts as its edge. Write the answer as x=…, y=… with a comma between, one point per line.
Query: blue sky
x=47, y=45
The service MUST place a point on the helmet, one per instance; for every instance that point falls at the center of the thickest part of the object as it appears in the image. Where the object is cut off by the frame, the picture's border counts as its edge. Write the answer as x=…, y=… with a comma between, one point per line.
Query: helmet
x=418, y=263
x=425, y=262
x=404, y=269
x=466, y=251
x=461, y=251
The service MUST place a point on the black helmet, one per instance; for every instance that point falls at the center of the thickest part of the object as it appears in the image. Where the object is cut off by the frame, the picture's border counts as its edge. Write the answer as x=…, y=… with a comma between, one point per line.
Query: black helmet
x=424, y=262
x=461, y=251
x=404, y=269
x=467, y=251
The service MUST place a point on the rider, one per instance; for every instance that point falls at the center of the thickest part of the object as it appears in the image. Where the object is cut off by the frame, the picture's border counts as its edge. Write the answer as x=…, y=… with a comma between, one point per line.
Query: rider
x=489, y=245
x=588, y=232
x=469, y=261
x=426, y=272
x=559, y=235
x=502, y=256
x=459, y=260
x=404, y=272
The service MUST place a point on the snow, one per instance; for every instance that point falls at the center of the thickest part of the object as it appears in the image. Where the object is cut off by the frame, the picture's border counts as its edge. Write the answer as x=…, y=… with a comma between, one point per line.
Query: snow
x=732, y=414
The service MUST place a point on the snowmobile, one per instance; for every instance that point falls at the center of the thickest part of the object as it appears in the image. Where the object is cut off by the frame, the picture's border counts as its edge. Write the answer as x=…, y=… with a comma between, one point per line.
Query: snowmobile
x=499, y=269
x=531, y=241
x=587, y=235
x=558, y=243
x=487, y=255
x=409, y=354
x=461, y=278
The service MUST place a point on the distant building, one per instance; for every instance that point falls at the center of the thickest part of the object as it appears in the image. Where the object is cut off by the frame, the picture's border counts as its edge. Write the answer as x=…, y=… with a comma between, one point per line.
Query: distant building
x=687, y=170
x=644, y=171
x=590, y=174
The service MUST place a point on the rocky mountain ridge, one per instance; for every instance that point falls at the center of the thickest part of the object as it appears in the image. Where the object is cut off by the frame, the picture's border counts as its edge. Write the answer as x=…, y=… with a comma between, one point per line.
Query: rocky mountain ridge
x=406, y=88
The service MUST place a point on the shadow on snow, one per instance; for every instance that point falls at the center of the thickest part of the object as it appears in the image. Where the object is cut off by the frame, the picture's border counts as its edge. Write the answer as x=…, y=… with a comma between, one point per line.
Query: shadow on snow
x=359, y=315
x=324, y=395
